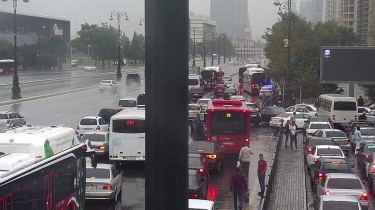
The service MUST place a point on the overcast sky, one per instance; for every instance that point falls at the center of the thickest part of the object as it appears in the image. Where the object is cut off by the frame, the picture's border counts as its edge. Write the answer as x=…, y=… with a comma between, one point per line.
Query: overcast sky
x=262, y=12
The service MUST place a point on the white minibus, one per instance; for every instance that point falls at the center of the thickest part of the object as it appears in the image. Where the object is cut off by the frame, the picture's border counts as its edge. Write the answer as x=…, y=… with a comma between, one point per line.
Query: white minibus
x=338, y=108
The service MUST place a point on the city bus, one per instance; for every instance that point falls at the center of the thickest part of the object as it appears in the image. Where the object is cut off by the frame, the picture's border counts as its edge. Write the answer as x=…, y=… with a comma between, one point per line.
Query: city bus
x=253, y=79
x=31, y=181
x=211, y=76
x=6, y=66
x=228, y=124
x=127, y=136
x=338, y=108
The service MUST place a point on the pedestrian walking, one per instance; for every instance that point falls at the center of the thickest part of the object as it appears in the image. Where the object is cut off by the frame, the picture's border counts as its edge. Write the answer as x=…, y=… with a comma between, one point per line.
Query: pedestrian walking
x=361, y=101
x=287, y=133
x=293, y=117
x=238, y=188
x=293, y=134
x=357, y=137
x=262, y=168
x=244, y=158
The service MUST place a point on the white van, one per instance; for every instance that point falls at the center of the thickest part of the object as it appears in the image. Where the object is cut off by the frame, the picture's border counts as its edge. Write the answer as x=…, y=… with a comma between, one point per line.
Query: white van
x=195, y=81
x=43, y=141
x=338, y=108
x=127, y=135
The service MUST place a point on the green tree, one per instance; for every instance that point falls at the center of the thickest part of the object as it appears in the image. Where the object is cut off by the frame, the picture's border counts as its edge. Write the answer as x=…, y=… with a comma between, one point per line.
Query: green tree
x=306, y=41
x=6, y=50
x=224, y=41
x=51, y=51
x=29, y=55
x=136, y=50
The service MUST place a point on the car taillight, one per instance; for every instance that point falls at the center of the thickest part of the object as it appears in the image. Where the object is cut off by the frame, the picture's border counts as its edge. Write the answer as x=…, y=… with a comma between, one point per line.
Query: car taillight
x=333, y=117
x=326, y=193
x=211, y=156
x=364, y=197
x=78, y=128
x=107, y=187
x=319, y=176
x=309, y=150
x=315, y=160
x=8, y=121
x=211, y=193
x=373, y=168
x=101, y=147
x=202, y=172
x=194, y=196
x=355, y=118
x=97, y=128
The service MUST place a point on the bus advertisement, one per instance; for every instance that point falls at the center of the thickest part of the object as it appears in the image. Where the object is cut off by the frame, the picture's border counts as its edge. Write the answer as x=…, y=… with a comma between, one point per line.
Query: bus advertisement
x=211, y=76
x=228, y=124
x=6, y=66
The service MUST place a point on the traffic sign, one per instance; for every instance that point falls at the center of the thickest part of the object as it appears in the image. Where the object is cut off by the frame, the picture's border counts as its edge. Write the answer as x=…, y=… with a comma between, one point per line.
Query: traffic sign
x=282, y=81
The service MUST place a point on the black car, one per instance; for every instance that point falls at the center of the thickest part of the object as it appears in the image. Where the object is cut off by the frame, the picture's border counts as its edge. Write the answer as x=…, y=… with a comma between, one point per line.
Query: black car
x=132, y=78
x=212, y=152
x=364, y=154
x=198, y=185
x=269, y=112
x=107, y=113
x=330, y=165
x=229, y=92
x=196, y=162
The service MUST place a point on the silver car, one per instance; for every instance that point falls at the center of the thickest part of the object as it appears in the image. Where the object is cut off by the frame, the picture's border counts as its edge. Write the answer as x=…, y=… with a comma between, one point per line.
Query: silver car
x=194, y=109
x=100, y=141
x=329, y=202
x=103, y=182
x=9, y=119
x=343, y=184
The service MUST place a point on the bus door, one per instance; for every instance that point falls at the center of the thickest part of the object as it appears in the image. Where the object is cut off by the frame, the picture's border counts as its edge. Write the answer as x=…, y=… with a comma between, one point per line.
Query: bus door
x=48, y=181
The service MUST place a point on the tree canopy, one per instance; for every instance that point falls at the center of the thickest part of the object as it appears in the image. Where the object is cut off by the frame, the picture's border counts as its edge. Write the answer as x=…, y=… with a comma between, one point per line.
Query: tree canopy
x=305, y=42
x=6, y=50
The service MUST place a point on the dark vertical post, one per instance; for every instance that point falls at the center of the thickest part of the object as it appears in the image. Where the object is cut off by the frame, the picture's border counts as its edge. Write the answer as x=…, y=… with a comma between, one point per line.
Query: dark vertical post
x=218, y=61
x=241, y=44
x=289, y=37
x=119, y=74
x=212, y=49
x=16, y=90
x=167, y=42
x=237, y=53
x=224, y=44
x=194, y=47
x=230, y=47
x=204, y=48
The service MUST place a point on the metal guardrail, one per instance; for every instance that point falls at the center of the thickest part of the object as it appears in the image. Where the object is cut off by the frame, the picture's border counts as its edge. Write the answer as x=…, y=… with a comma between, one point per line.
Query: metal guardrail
x=270, y=180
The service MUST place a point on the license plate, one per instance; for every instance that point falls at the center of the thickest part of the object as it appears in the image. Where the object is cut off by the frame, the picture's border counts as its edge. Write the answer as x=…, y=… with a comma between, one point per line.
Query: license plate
x=228, y=143
x=90, y=188
x=130, y=158
x=88, y=129
x=253, y=115
x=196, y=94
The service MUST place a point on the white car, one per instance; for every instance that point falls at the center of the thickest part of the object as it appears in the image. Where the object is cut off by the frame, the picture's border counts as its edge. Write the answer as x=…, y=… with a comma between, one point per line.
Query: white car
x=284, y=117
x=108, y=85
x=91, y=123
x=314, y=126
x=240, y=98
x=266, y=91
x=229, y=84
x=195, y=204
x=323, y=151
x=89, y=68
x=227, y=78
x=127, y=103
x=203, y=102
x=302, y=108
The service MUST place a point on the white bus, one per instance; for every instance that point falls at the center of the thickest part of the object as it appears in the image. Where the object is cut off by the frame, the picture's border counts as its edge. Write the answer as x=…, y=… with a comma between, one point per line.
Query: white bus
x=127, y=136
x=338, y=108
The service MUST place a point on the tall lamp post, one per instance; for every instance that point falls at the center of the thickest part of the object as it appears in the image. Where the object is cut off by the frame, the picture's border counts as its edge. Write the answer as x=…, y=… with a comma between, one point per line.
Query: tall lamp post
x=237, y=53
x=118, y=16
x=230, y=46
x=212, y=49
x=194, y=31
x=224, y=45
x=286, y=6
x=16, y=90
x=204, y=47
x=218, y=61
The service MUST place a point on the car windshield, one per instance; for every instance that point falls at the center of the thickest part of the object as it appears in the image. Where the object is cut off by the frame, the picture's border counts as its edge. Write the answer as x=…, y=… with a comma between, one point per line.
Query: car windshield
x=254, y=106
x=340, y=205
x=277, y=110
x=127, y=103
x=316, y=142
x=193, y=107
x=329, y=152
x=94, y=137
x=344, y=183
x=335, y=134
x=284, y=115
x=300, y=109
x=201, y=147
x=320, y=126
x=368, y=132
x=97, y=173
x=3, y=116
x=341, y=167
x=106, y=81
x=192, y=181
x=193, y=82
x=88, y=122
x=194, y=162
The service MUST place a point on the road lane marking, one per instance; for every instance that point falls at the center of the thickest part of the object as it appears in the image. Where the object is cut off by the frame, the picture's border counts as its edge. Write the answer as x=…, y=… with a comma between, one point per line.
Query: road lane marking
x=111, y=101
x=59, y=115
x=253, y=193
x=50, y=105
x=88, y=107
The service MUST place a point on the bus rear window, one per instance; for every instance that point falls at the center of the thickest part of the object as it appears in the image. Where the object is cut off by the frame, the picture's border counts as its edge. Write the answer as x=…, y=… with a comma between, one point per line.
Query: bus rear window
x=228, y=123
x=345, y=106
x=129, y=126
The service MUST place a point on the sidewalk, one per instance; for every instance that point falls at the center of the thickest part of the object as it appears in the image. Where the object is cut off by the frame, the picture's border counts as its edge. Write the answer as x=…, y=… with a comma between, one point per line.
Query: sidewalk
x=290, y=187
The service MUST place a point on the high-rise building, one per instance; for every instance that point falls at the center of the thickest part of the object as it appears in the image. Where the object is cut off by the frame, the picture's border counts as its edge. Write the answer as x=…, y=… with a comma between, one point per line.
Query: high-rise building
x=311, y=10
x=363, y=20
x=231, y=16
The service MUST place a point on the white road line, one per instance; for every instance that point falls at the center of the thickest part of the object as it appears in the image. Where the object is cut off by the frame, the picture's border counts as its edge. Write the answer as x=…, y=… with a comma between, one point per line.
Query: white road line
x=51, y=105
x=111, y=101
x=88, y=107
x=59, y=115
x=253, y=193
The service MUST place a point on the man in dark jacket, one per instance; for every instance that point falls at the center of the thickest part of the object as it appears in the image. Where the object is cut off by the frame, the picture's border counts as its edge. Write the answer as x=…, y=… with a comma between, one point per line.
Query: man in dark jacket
x=238, y=187
x=361, y=101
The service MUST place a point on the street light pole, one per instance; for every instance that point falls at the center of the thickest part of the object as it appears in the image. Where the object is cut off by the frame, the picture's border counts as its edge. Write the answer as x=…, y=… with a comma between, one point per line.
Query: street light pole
x=212, y=49
x=204, y=48
x=224, y=44
x=237, y=53
x=230, y=46
x=194, y=30
x=118, y=16
x=218, y=61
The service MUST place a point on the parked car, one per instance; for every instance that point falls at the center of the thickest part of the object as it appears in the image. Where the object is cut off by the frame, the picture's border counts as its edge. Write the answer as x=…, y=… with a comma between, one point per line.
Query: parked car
x=10, y=119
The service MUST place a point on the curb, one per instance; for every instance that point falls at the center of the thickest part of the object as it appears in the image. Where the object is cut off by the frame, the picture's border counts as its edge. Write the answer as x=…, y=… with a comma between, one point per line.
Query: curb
x=17, y=101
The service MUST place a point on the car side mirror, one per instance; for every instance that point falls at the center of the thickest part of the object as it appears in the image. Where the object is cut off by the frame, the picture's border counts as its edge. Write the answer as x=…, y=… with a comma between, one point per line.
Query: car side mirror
x=312, y=205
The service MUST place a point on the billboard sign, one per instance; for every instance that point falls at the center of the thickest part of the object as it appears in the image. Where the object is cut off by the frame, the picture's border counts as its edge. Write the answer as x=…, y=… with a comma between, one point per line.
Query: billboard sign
x=352, y=65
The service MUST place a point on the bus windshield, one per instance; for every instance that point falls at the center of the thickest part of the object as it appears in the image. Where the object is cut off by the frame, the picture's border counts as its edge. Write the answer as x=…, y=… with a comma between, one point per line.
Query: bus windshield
x=257, y=78
x=228, y=123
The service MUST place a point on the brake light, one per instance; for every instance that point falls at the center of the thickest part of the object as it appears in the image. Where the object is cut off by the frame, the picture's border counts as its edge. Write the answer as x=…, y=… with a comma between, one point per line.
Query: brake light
x=211, y=156
x=315, y=160
x=364, y=197
x=78, y=128
x=8, y=121
x=107, y=187
x=194, y=196
x=211, y=193
x=326, y=193
x=83, y=148
x=200, y=150
x=320, y=176
x=101, y=147
x=201, y=171
x=97, y=128
x=309, y=150
x=333, y=117
x=373, y=168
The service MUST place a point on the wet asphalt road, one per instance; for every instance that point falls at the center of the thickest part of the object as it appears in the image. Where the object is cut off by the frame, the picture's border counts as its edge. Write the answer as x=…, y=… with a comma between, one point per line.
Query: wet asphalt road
x=68, y=109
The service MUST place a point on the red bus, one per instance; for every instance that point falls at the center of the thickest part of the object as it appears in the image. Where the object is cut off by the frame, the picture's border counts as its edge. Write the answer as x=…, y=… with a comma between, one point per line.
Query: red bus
x=211, y=76
x=253, y=79
x=54, y=183
x=6, y=66
x=228, y=124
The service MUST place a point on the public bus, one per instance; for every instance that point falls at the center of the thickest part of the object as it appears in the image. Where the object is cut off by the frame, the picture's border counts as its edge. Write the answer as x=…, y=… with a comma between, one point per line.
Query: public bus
x=127, y=136
x=253, y=79
x=338, y=108
x=6, y=66
x=211, y=76
x=228, y=124
x=31, y=181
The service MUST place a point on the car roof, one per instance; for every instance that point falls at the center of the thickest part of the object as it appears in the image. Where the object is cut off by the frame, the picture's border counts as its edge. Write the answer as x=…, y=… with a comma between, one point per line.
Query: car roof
x=327, y=147
x=204, y=99
x=345, y=198
x=318, y=122
x=100, y=166
x=342, y=175
x=200, y=204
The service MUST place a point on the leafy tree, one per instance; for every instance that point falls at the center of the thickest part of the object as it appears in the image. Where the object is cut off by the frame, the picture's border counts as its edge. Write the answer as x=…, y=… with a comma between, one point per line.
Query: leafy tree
x=137, y=50
x=224, y=43
x=6, y=50
x=306, y=41
x=29, y=55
